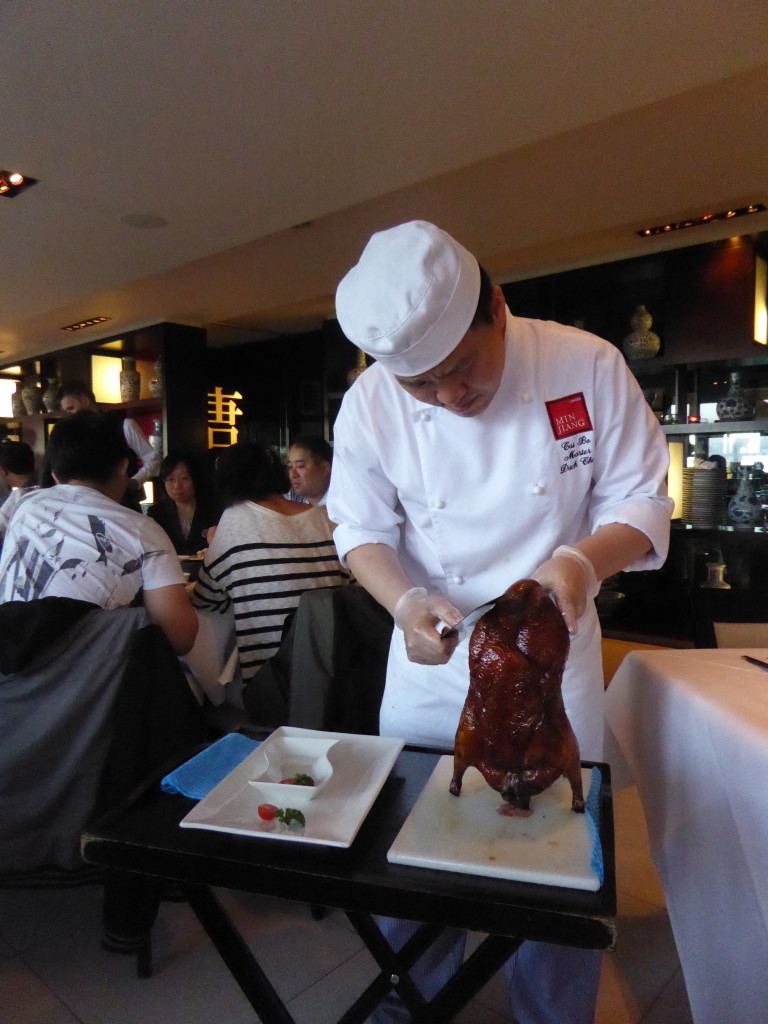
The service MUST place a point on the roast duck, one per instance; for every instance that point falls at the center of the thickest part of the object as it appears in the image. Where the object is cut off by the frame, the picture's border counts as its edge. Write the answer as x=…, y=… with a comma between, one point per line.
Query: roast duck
x=514, y=728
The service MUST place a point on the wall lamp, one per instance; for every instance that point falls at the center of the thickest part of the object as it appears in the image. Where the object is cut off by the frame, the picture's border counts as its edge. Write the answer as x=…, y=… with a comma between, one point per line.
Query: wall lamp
x=761, y=301
x=12, y=182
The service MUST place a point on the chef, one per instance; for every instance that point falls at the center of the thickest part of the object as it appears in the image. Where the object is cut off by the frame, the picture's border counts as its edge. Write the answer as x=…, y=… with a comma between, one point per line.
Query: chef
x=479, y=449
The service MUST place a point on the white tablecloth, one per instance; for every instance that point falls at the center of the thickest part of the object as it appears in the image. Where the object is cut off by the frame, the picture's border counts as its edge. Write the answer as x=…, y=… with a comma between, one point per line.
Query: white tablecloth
x=212, y=662
x=692, y=726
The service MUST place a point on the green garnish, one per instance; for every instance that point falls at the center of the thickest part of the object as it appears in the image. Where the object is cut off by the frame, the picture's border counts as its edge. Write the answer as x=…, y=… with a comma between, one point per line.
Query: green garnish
x=302, y=779
x=290, y=814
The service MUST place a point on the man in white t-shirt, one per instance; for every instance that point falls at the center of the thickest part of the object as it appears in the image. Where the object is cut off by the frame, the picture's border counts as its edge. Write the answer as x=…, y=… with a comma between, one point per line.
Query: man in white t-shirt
x=76, y=397
x=75, y=540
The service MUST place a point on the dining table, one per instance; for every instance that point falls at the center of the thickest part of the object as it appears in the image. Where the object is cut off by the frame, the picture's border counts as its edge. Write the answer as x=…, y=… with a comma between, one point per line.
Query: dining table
x=142, y=836
x=690, y=728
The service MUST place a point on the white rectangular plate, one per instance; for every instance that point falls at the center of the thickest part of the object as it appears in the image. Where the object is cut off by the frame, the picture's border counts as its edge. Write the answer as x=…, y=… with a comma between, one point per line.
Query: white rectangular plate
x=466, y=834
x=361, y=765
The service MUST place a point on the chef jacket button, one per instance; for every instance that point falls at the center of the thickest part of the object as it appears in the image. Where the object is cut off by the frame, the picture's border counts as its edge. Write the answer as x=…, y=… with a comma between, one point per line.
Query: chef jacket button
x=439, y=503
x=458, y=580
x=525, y=396
x=538, y=489
x=425, y=417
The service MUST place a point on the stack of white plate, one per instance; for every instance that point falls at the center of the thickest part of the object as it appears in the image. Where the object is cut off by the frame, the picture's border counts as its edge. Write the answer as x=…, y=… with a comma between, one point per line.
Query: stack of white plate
x=704, y=497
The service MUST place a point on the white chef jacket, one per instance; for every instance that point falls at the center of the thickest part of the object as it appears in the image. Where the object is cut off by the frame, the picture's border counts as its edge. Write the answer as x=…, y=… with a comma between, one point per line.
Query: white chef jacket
x=568, y=444
x=150, y=459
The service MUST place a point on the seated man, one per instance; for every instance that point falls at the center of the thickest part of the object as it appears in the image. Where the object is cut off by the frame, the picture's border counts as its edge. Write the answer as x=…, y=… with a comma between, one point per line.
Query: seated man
x=76, y=540
x=309, y=469
x=17, y=471
x=75, y=396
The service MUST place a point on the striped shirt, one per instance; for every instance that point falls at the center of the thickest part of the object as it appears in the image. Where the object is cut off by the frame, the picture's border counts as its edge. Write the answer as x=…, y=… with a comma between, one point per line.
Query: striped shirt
x=260, y=562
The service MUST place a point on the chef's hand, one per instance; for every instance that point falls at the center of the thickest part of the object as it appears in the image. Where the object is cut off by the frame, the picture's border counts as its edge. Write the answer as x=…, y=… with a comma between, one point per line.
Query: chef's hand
x=569, y=578
x=417, y=613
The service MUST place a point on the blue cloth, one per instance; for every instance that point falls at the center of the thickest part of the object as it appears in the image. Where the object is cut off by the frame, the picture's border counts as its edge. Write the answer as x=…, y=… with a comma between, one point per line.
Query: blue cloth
x=198, y=776
x=592, y=808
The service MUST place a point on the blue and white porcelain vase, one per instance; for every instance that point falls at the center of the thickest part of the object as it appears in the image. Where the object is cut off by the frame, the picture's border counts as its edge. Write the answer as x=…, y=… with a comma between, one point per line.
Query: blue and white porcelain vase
x=51, y=396
x=745, y=508
x=736, y=405
x=17, y=403
x=32, y=395
x=156, y=437
x=130, y=381
x=156, y=384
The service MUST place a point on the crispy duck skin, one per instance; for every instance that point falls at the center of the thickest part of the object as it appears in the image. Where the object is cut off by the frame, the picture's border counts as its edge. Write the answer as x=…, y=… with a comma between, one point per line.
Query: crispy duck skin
x=514, y=728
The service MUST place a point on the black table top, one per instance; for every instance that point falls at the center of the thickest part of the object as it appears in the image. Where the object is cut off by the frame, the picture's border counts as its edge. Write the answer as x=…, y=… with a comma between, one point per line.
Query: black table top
x=143, y=835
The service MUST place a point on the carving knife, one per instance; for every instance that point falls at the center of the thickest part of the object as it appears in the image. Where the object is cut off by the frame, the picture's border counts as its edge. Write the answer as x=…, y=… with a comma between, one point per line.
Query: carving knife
x=464, y=626
x=754, y=661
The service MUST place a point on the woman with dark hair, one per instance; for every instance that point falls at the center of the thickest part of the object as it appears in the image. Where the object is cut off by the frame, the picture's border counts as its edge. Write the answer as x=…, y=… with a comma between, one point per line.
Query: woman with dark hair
x=188, y=511
x=267, y=551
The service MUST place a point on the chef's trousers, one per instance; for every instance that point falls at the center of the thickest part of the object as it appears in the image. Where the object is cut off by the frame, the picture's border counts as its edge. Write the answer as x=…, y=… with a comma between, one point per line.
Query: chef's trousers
x=546, y=984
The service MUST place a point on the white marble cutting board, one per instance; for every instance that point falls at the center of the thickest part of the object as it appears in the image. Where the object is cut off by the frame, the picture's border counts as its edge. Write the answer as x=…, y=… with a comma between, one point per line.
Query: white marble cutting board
x=466, y=834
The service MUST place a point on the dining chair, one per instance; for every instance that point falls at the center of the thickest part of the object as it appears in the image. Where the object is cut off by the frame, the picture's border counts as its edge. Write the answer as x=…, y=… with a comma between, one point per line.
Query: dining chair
x=91, y=701
x=741, y=634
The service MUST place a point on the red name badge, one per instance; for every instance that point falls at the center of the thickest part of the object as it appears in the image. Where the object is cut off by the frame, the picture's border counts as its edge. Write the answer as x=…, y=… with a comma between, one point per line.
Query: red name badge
x=568, y=415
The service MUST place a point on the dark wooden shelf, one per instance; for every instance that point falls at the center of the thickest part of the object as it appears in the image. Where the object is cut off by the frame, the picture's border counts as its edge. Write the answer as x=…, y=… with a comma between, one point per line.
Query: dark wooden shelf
x=678, y=524
x=140, y=405
x=719, y=427
x=34, y=418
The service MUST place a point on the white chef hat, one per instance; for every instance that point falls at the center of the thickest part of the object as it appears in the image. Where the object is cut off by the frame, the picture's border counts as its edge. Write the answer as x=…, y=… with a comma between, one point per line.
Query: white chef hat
x=411, y=298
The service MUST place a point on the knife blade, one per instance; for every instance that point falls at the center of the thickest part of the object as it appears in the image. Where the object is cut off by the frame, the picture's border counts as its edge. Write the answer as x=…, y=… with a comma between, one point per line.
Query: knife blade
x=756, y=661
x=463, y=626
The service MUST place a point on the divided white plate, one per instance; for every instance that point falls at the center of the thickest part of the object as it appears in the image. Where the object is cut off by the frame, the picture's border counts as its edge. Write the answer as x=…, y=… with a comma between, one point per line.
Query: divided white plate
x=285, y=756
x=466, y=834
x=360, y=766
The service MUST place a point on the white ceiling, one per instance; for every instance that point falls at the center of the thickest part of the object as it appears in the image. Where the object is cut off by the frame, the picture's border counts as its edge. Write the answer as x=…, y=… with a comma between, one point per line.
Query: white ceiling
x=543, y=133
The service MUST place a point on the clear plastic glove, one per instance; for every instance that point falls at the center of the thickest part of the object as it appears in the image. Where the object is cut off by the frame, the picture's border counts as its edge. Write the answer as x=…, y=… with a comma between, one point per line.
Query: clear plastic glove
x=569, y=578
x=417, y=613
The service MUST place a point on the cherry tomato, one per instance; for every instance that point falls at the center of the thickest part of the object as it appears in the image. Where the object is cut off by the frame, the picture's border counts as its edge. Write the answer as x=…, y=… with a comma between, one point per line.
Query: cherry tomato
x=267, y=812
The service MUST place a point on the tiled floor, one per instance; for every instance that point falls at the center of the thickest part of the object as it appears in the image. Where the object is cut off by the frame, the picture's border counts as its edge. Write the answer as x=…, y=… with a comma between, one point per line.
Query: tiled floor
x=52, y=970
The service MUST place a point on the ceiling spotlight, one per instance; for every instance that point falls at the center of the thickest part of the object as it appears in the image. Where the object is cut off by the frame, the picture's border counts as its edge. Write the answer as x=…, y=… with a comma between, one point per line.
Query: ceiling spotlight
x=705, y=218
x=12, y=182
x=91, y=322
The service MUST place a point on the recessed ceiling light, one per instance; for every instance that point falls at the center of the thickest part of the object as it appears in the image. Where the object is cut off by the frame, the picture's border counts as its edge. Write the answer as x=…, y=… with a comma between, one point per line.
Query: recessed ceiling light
x=705, y=218
x=90, y=322
x=13, y=182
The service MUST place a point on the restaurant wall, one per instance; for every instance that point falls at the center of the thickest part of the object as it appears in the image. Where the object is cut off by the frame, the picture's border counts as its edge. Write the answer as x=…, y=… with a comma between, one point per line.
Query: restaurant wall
x=701, y=298
x=279, y=383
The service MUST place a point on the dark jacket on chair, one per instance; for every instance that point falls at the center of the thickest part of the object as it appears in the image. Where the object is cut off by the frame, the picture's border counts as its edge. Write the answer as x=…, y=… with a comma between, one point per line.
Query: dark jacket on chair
x=91, y=700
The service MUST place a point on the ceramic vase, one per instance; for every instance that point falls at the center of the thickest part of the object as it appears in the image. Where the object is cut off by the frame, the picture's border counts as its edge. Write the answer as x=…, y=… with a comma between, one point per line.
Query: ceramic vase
x=17, y=403
x=736, y=405
x=745, y=508
x=32, y=396
x=130, y=381
x=51, y=396
x=714, y=580
x=156, y=384
x=642, y=342
x=156, y=437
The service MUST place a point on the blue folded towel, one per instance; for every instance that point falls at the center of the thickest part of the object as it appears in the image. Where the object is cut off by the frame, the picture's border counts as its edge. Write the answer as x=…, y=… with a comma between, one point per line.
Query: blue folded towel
x=592, y=808
x=198, y=776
